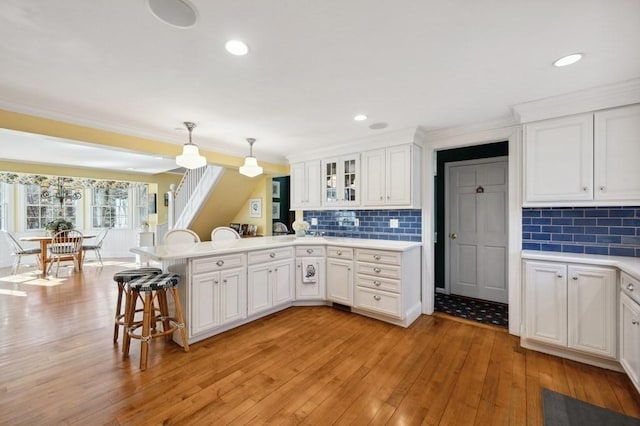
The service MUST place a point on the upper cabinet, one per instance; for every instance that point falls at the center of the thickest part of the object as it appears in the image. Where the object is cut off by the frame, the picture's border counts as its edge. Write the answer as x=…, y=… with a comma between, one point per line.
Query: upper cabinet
x=587, y=159
x=305, y=185
x=391, y=176
x=340, y=181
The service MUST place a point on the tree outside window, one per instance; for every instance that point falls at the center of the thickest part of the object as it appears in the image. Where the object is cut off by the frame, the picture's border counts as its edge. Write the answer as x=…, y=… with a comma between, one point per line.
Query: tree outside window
x=110, y=208
x=40, y=210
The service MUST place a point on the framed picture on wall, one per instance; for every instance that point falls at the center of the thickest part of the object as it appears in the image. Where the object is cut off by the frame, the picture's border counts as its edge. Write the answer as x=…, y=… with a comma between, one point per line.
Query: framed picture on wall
x=275, y=210
x=255, y=207
x=275, y=189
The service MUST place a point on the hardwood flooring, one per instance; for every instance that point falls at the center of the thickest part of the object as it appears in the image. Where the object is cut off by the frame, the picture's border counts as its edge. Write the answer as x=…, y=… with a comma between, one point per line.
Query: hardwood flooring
x=304, y=365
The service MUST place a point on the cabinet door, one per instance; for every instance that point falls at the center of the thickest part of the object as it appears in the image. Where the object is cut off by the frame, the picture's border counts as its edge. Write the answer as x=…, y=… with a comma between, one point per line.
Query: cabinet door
x=282, y=282
x=630, y=338
x=350, y=177
x=617, y=151
x=310, y=290
x=259, y=295
x=591, y=295
x=298, y=185
x=204, y=309
x=330, y=180
x=233, y=295
x=313, y=191
x=546, y=302
x=374, y=178
x=559, y=160
x=340, y=281
x=398, y=175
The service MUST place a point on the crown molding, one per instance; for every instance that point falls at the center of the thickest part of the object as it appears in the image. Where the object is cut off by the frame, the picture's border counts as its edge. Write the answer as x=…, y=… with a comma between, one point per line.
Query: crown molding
x=367, y=143
x=592, y=99
x=452, y=132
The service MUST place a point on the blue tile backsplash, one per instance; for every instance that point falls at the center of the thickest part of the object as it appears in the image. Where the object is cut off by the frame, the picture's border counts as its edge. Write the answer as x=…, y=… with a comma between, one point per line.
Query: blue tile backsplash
x=374, y=224
x=613, y=231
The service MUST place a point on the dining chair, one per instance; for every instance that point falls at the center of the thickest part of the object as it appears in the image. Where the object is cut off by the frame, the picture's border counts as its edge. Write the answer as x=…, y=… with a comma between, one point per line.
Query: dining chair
x=96, y=246
x=65, y=245
x=181, y=236
x=224, y=233
x=18, y=251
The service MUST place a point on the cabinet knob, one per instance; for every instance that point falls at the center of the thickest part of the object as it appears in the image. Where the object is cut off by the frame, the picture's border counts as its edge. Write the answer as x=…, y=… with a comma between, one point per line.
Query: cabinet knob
x=602, y=188
x=339, y=253
x=270, y=271
x=299, y=266
x=559, y=276
x=575, y=278
x=376, y=257
x=272, y=255
x=376, y=297
x=377, y=283
x=348, y=269
x=215, y=281
x=585, y=189
x=377, y=270
x=634, y=322
x=309, y=251
x=630, y=287
x=388, y=197
x=224, y=281
x=276, y=269
x=220, y=262
x=381, y=198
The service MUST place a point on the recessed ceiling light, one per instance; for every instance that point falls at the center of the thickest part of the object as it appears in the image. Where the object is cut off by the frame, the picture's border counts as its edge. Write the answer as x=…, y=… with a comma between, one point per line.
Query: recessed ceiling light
x=360, y=117
x=236, y=47
x=568, y=60
x=177, y=13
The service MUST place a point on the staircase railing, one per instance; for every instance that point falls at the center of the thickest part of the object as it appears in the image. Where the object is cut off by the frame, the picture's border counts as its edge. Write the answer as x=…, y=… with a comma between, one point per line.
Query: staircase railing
x=191, y=193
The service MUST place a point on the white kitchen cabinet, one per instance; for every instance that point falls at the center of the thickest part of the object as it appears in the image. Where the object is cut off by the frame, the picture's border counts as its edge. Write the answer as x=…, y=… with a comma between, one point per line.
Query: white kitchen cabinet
x=391, y=176
x=588, y=159
x=340, y=181
x=340, y=275
x=270, y=279
x=310, y=273
x=305, y=185
x=630, y=338
x=571, y=306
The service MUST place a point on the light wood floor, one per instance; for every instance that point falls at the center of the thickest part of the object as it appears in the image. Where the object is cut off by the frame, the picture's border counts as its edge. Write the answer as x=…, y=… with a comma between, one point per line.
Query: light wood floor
x=309, y=365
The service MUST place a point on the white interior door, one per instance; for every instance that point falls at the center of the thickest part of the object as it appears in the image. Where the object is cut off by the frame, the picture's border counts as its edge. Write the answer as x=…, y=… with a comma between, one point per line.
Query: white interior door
x=477, y=228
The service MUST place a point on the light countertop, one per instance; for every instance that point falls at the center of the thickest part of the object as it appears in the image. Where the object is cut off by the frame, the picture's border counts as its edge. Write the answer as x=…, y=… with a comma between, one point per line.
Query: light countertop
x=630, y=265
x=207, y=248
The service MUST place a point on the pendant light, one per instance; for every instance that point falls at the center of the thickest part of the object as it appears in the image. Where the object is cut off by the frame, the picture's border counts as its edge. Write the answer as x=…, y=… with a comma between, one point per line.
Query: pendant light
x=250, y=167
x=190, y=158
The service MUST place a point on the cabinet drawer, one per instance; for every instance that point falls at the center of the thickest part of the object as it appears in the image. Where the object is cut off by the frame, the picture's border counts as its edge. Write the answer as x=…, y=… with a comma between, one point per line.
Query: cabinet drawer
x=378, y=283
x=379, y=256
x=340, y=252
x=377, y=270
x=310, y=251
x=216, y=263
x=378, y=301
x=262, y=256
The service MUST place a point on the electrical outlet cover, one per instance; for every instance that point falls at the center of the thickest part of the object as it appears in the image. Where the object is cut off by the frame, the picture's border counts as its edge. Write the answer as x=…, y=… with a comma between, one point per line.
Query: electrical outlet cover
x=314, y=221
x=393, y=223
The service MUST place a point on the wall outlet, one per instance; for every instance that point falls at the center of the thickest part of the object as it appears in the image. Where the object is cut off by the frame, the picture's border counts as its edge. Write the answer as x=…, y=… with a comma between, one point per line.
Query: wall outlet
x=356, y=222
x=314, y=221
x=393, y=223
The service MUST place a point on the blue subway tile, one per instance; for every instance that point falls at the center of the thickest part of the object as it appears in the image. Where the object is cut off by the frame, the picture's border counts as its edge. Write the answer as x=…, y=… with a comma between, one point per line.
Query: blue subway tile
x=561, y=237
x=562, y=221
x=526, y=235
x=541, y=221
x=624, y=212
x=573, y=213
x=550, y=247
x=631, y=240
x=540, y=237
x=531, y=228
x=609, y=222
x=584, y=238
x=596, y=213
x=596, y=230
x=526, y=220
x=552, y=229
x=621, y=251
x=567, y=248
x=608, y=239
x=631, y=222
x=530, y=213
x=531, y=246
x=622, y=231
x=638, y=252
x=584, y=222
x=596, y=250
x=551, y=213
x=573, y=229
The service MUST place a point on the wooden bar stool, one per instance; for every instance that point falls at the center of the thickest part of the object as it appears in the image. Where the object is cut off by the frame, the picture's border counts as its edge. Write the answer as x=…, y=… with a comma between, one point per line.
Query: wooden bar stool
x=153, y=287
x=122, y=278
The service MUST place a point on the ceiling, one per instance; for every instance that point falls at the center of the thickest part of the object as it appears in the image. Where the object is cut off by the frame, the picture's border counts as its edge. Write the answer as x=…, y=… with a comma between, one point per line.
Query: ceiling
x=312, y=65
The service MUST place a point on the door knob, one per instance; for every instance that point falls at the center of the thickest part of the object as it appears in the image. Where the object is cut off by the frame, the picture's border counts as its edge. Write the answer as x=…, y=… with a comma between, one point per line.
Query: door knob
x=454, y=236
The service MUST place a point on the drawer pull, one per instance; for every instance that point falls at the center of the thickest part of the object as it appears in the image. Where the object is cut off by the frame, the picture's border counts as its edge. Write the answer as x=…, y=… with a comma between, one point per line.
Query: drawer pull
x=220, y=262
x=309, y=251
x=377, y=270
x=575, y=278
x=634, y=322
x=376, y=257
x=339, y=253
x=215, y=281
x=630, y=286
x=272, y=255
x=376, y=297
x=224, y=281
x=377, y=283
x=559, y=276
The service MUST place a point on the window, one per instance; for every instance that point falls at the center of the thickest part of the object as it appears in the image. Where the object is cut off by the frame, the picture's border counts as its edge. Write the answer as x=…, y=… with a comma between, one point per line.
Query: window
x=110, y=208
x=42, y=210
x=141, y=194
x=3, y=206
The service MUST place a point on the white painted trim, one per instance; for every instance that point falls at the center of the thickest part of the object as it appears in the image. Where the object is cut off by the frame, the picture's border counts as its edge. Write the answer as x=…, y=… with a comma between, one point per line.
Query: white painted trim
x=514, y=137
x=588, y=100
x=449, y=132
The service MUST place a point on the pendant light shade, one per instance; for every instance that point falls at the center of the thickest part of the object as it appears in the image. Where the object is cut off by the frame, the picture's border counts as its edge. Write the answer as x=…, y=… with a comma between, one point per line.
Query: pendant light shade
x=250, y=167
x=190, y=158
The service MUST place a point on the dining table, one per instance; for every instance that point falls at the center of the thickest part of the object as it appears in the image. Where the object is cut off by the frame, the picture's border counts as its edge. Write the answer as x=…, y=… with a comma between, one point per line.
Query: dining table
x=44, y=241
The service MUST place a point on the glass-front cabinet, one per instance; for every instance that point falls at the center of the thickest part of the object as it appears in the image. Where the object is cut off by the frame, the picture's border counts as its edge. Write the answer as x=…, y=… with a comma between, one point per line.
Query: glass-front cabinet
x=341, y=178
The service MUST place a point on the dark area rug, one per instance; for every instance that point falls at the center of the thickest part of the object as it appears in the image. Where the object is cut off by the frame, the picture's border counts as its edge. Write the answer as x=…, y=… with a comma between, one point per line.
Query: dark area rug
x=562, y=410
x=473, y=309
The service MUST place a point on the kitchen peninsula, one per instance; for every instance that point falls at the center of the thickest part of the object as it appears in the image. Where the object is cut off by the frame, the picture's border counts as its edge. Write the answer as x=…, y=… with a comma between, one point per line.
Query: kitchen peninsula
x=228, y=284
